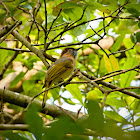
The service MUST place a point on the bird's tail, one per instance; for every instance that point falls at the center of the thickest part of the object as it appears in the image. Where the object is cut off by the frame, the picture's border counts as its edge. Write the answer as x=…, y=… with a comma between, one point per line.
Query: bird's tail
x=45, y=95
x=48, y=84
x=44, y=98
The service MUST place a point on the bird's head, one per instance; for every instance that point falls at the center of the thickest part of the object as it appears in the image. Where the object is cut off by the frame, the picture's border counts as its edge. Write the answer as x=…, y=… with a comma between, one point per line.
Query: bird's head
x=70, y=51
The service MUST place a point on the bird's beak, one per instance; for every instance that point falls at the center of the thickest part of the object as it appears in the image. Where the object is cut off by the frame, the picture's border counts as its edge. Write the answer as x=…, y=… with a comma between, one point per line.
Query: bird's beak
x=78, y=48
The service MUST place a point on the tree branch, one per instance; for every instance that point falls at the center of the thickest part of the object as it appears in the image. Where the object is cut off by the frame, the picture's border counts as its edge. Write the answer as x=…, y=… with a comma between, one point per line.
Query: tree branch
x=30, y=47
x=22, y=127
x=23, y=100
x=99, y=81
x=10, y=31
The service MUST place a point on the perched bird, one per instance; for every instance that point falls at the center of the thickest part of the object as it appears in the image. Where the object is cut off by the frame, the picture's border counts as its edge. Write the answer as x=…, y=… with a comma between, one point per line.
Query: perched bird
x=61, y=69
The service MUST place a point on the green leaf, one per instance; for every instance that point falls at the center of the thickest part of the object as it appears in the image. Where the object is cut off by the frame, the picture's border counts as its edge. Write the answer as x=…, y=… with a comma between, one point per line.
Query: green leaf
x=79, y=30
x=55, y=93
x=138, y=36
x=113, y=130
x=28, y=6
x=18, y=78
x=115, y=102
x=115, y=116
x=116, y=46
x=137, y=122
x=69, y=101
x=75, y=91
x=50, y=18
x=132, y=37
x=128, y=43
x=139, y=24
x=3, y=55
x=39, y=75
x=2, y=16
x=10, y=135
x=133, y=10
x=60, y=128
x=95, y=94
x=127, y=77
x=28, y=85
x=96, y=119
x=35, y=122
x=72, y=13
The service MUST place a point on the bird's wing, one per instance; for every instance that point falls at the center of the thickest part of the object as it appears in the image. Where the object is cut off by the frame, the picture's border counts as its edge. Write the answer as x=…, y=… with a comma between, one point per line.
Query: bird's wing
x=59, y=67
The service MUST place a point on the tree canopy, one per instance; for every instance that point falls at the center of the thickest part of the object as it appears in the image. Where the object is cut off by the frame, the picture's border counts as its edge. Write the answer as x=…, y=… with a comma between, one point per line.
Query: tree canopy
x=100, y=100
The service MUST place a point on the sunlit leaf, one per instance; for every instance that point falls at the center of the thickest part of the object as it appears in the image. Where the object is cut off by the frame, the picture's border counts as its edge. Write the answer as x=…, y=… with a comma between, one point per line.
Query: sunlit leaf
x=115, y=116
x=115, y=102
x=111, y=63
x=75, y=91
x=127, y=77
x=69, y=101
x=3, y=55
x=137, y=122
x=116, y=46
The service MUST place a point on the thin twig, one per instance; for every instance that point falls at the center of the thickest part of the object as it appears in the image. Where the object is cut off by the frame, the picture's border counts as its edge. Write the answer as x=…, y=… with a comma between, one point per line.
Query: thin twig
x=93, y=83
x=8, y=12
x=16, y=25
x=123, y=50
x=45, y=31
x=120, y=89
x=67, y=113
x=8, y=64
x=79, y=18
x=30, y=47
x=104, y=24
x=104, y=100
x=119, y=8
x=103, y=50
x=14, y=49
x=118, y=73
x=46, y=36
x=109, y=85
x=53, y=23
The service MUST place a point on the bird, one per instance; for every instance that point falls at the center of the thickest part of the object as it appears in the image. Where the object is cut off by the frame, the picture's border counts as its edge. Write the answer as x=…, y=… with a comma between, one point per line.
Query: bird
x=61, y=69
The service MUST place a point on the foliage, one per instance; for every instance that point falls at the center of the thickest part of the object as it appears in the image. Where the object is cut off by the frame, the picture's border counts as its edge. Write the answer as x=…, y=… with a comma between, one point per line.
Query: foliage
x=106, y=89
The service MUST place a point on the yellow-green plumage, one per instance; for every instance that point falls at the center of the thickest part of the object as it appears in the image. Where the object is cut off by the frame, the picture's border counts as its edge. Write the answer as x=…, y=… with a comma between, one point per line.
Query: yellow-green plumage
x=60, y=70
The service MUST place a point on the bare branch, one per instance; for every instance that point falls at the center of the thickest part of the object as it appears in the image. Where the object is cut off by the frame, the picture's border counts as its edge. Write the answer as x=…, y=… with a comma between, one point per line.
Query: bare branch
x=123, y=50
x=121, y=89
x=52, y=25
x=30, y=47
x=23, y=101
x=79, y=18
x=14, y=49
x=99, y=81
x=17, y=23
x=23, y=127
